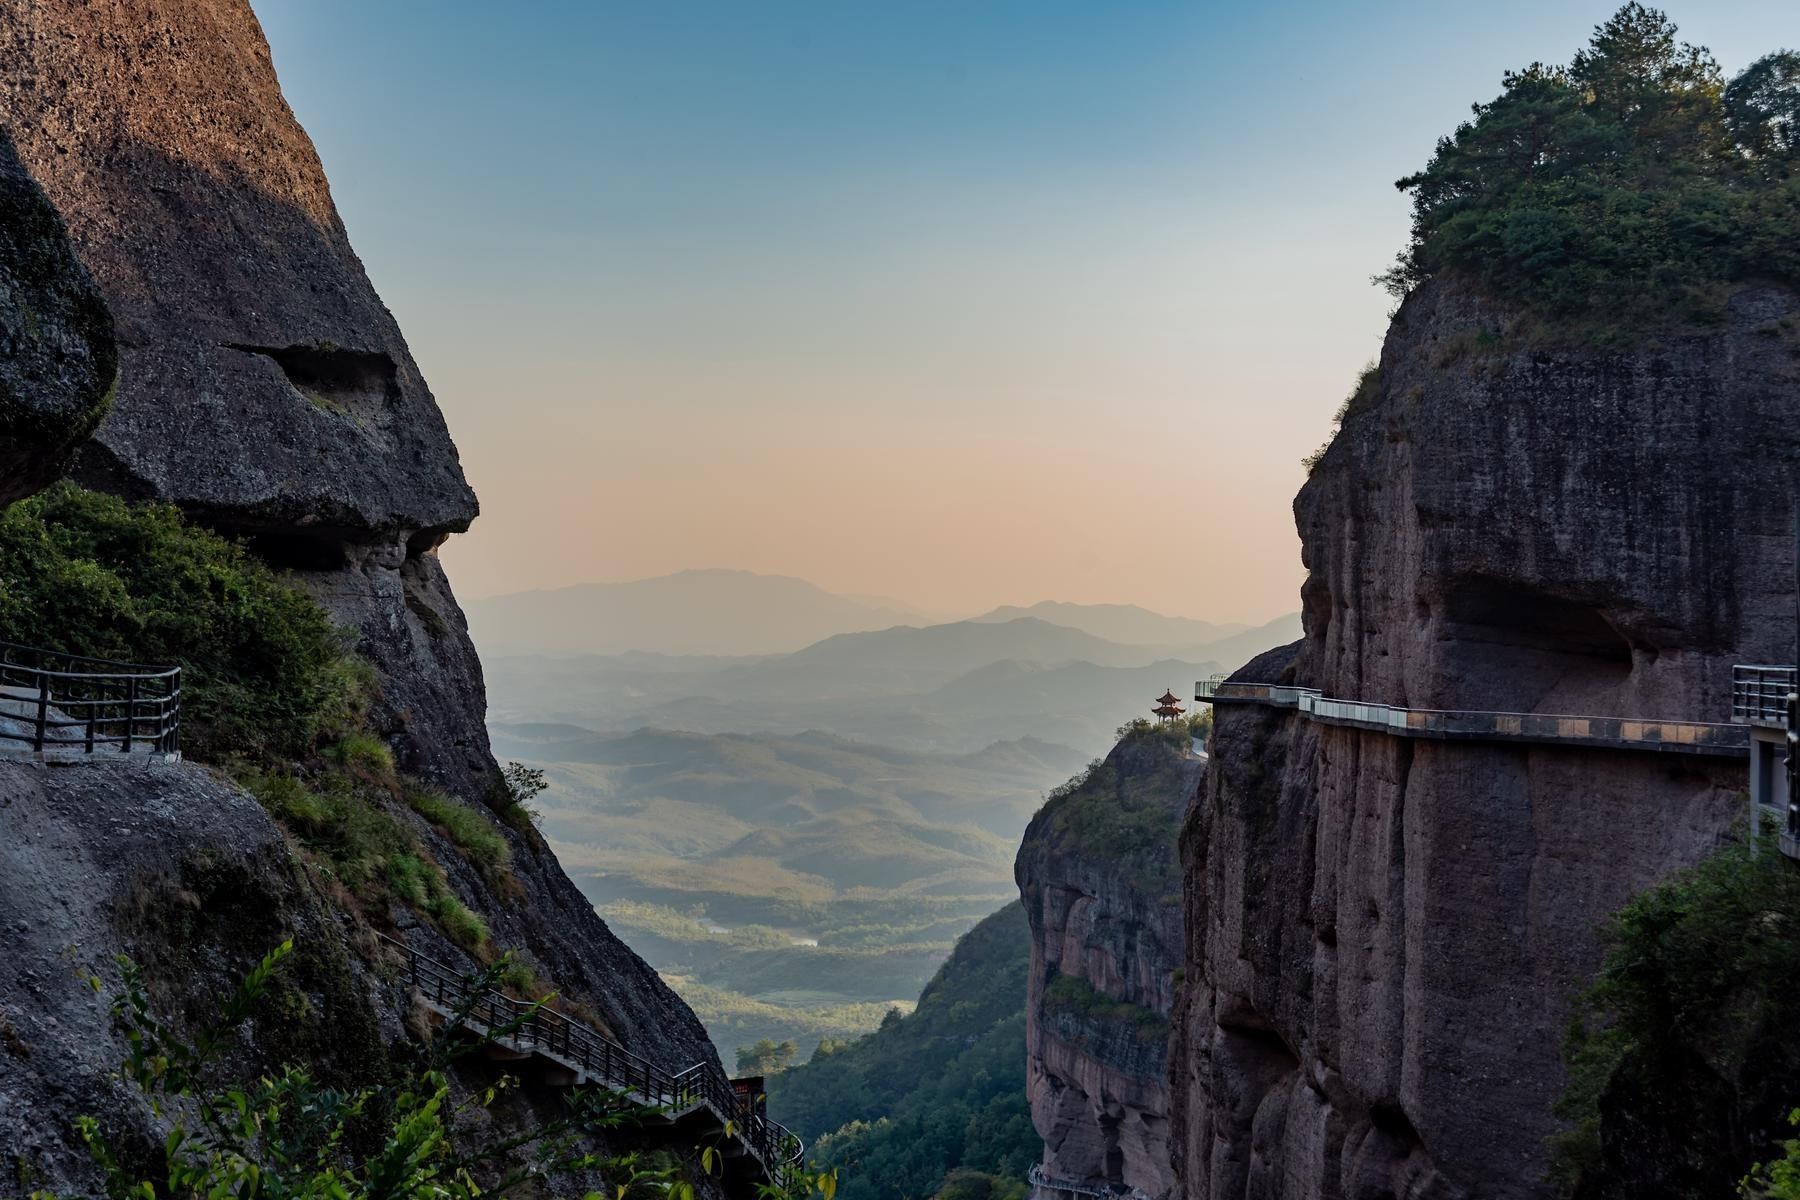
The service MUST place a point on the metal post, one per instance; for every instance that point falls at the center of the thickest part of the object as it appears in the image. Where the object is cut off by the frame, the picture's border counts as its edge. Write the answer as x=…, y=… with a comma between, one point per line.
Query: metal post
x=43, y=711
x=1793, y=698
x=130, y=711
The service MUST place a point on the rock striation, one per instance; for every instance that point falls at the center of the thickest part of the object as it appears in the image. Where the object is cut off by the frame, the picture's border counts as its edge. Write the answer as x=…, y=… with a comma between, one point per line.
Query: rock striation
x=57, y=358
x=1098, y=875
x=1383, y=935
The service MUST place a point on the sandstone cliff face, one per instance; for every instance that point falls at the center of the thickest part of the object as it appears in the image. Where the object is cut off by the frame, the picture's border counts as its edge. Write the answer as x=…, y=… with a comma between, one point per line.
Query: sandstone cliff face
x=264, y=388
x=1097, y=872
x=57, y=359
x=1382, y=934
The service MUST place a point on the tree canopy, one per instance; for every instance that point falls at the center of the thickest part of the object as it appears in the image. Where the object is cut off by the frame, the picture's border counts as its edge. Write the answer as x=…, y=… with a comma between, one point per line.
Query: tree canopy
x=1634, y=182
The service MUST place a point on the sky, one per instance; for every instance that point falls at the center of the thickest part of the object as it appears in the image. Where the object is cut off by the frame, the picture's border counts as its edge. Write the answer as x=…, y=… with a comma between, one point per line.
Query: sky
x=963, y=303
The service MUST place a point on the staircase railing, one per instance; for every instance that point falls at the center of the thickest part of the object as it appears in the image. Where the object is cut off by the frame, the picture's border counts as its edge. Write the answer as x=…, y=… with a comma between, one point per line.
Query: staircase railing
x=75, y=703
x=533, y=1026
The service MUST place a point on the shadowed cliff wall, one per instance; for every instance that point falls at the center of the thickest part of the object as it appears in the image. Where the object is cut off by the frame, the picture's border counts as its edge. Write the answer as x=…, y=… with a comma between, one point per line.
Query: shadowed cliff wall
x=1098, y=874
x=1383, y=935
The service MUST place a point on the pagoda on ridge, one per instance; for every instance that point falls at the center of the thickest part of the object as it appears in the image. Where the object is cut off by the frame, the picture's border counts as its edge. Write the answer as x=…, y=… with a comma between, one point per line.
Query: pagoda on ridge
x=1168, y=707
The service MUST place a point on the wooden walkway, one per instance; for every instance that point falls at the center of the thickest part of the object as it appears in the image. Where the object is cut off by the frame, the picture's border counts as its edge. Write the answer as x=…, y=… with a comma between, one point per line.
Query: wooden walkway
x=699, y=1099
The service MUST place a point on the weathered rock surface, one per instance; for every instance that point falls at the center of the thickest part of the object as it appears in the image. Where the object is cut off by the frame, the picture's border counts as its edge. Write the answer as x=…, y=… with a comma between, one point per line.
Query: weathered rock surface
x=57, y=359
x=1104, y=909
x=1383, y=935
x=263, y=385
x=265, y=389
x=186, y=874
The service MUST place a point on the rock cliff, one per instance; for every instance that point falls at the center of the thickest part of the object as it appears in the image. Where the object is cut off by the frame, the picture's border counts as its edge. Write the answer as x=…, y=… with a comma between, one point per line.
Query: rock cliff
x=1383, y=934
x=57, y=358
x=263, y=388
x=185, y=873
x=1098, y=875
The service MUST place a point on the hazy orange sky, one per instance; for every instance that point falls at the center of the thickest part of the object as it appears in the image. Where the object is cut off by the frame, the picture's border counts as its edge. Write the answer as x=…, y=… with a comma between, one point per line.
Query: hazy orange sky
x=959, y=304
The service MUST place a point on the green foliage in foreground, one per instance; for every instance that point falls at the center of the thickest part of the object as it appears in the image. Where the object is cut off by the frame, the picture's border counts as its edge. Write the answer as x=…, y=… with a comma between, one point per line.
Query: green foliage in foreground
x=941, y=1088
x=1778, y=1179
x=1695, y=1011
x=1628, y=186
x=265, y=673
x=283, y=1136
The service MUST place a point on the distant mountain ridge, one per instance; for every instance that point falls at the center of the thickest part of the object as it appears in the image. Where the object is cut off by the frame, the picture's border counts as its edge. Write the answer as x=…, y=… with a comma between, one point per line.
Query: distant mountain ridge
x=711, y=611
x=1129, y=624
x=950, y=689
x=719, y=613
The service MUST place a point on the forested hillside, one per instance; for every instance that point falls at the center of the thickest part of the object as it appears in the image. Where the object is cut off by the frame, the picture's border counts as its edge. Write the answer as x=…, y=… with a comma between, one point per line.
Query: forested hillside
x=939, y=1090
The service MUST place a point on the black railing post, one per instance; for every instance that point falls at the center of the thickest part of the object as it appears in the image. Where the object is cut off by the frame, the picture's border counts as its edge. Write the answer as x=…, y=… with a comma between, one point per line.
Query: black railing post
x=130, y=711
x=43, y=713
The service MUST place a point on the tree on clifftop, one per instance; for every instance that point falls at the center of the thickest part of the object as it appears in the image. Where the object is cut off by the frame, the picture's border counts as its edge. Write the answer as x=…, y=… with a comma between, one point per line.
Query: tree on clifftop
x=1632, y=183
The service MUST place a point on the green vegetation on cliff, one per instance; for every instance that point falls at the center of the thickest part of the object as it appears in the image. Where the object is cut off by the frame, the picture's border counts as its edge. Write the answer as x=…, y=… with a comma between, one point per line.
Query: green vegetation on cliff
x=404, y=1135
x=270, y=687
x=937, y=1090
x=1073, y=997
x=266, y=674
x=1626, y=187
x=1694, y=1012
x=1118, y=810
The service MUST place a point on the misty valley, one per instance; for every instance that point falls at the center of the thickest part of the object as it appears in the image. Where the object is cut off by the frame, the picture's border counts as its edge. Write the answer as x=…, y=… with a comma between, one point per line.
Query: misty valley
x=796, y=840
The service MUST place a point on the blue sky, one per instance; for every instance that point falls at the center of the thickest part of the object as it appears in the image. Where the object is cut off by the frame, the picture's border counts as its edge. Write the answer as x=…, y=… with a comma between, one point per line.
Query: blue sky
x=964, y=303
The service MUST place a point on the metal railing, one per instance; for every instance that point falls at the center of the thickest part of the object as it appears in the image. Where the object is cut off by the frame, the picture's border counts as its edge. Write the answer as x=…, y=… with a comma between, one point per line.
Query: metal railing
x=1759, y=694
x=1692, y=737
x=532, y=1027
x=1042, y=1182
x=76, y=704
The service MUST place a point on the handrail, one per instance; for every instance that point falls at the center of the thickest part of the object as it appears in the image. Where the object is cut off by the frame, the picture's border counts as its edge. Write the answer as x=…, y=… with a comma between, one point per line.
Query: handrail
x=772, y=1144
x=131, y=708
x=1036, y=1177
x=1759, y=693
x=68, y=656
x=1694, y=737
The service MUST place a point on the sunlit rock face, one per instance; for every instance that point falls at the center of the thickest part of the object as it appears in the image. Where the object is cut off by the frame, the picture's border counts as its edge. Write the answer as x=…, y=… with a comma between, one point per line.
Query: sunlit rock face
x=57, y=360
x=265, y=389
x=263, y=386
x=1383, y=935
x=1096, y=1071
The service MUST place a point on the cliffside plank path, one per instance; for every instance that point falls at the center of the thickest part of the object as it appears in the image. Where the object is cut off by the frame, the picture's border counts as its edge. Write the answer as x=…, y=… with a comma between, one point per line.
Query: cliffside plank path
x=700, y=1101
x=57, y=706
x=1715, y=739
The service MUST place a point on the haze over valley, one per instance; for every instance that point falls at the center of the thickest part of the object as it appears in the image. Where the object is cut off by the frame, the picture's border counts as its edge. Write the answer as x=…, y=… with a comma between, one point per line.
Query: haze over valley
x=795, y=836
